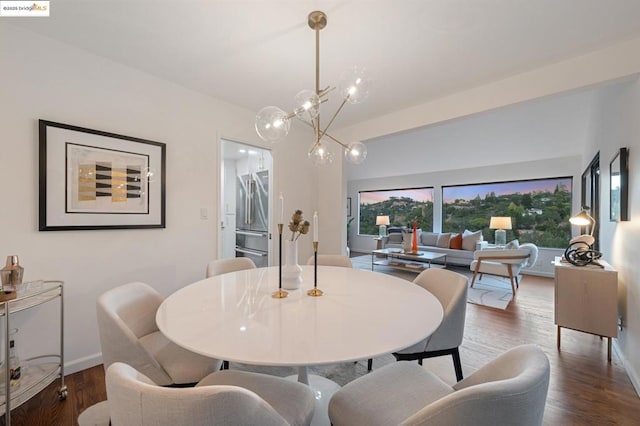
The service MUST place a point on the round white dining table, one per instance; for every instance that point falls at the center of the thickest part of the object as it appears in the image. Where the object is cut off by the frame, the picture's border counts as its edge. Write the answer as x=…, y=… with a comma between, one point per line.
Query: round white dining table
x=361, y=315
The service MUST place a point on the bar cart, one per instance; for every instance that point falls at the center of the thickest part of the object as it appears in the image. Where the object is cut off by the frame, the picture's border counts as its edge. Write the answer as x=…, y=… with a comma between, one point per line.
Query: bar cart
x=42, y=370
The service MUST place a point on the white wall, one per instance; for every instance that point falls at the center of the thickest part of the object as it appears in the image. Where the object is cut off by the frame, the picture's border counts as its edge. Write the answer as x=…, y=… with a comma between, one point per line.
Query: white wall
x=615, y=124
x=45, y=79
x=544, y=128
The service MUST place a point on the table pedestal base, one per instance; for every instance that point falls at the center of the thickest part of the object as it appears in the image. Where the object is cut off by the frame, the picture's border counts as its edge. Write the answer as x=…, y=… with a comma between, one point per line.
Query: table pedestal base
x=323, y=389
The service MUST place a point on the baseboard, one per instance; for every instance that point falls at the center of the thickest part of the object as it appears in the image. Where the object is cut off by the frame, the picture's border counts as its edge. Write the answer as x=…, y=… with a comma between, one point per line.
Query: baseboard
x=82, y=363
x=537, y=273
x=635, y=380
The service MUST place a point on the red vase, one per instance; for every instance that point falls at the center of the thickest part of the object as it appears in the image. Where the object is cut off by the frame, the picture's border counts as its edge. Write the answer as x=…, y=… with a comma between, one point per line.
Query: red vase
x=414, y=246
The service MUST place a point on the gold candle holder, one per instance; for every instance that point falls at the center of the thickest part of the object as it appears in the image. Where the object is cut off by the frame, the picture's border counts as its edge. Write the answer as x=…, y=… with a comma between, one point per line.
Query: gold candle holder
x=280, y=294
x=315, y=291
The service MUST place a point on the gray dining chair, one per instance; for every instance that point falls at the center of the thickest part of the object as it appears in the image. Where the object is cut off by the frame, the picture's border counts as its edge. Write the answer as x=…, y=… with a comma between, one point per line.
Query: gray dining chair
x=332, y=260
x=510, y=390
x=223, y=266
x=128, y=333
x=450, y=288
x=222, y=398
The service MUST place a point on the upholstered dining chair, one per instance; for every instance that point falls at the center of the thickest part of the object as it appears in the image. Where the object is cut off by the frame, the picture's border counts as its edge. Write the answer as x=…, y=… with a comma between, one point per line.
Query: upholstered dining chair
x=504, y=262
x=222, y=398
x=222, y=266
x=510, y=390
x=332, y=260
x=450, y=288
x=128, y=333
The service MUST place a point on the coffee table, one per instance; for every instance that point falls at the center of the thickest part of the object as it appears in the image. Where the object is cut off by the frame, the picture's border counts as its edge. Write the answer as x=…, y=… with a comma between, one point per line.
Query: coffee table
x=406, y=261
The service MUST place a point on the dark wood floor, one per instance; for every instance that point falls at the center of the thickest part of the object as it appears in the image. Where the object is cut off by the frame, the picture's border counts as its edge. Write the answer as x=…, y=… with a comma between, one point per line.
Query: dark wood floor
x=584, y=389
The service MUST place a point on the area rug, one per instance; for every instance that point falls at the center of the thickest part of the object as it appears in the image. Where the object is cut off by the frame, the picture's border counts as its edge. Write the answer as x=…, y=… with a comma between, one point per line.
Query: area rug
x=491, y=291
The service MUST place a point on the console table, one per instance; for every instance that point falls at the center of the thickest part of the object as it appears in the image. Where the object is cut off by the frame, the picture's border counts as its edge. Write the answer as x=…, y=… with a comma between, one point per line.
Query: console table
x=586, y=299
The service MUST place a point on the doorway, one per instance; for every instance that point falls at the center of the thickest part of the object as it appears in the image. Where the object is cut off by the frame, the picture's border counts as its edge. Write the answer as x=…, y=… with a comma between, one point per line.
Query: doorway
x=245, y=188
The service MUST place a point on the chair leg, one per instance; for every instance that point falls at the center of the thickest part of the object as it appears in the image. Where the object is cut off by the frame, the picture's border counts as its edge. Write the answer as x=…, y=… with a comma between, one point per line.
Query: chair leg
x=475, y=272
x=370, y=364
x=457, y=365
x=513, y=286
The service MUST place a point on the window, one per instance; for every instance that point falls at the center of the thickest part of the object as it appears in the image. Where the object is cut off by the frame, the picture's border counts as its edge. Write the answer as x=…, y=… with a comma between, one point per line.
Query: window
x=539, y=209
x=403, y=206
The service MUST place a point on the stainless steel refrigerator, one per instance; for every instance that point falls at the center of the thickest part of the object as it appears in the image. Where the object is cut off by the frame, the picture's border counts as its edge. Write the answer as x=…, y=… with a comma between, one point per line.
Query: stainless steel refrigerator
x=252, y=219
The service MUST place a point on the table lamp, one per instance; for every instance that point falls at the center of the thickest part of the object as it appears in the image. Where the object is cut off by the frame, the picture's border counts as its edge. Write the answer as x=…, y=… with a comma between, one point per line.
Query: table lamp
x=584, y=219
x=382, y=222
x=580, y=251
x=500, y=224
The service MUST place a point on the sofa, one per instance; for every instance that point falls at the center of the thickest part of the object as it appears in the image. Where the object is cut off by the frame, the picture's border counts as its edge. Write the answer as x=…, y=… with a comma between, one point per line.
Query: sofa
x=459, y=247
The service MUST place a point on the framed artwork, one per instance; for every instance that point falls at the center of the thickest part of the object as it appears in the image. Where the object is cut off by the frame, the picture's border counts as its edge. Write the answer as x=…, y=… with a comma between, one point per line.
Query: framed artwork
x=90, y=179
x=348, y=206
x=619, y=188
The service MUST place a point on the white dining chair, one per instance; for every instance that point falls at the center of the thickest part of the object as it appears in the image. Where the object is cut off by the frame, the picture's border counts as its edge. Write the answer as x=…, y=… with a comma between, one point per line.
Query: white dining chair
x=510, y=390
x=332, y=260
x=222, y=398
x=128, y=333
x=450, y=288
x=223, y=266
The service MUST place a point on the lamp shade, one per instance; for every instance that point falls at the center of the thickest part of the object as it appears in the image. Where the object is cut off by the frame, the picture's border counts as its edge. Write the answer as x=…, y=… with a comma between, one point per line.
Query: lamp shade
x=499, y=222
x=382, y=220
x=582, y=219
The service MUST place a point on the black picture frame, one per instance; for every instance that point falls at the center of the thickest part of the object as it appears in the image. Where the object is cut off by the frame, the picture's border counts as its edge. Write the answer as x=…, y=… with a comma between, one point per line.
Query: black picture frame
x=91, y=179
x=619, y=186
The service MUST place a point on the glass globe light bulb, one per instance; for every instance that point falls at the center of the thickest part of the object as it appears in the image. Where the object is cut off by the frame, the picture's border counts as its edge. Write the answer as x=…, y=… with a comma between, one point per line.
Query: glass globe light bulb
x=355, y=84
x=272, y=124
x=320, y=154
x=355, y=153
x=307, y=104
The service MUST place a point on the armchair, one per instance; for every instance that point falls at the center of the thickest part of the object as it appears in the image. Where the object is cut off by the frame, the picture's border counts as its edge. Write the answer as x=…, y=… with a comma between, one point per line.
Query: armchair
x=504, y=262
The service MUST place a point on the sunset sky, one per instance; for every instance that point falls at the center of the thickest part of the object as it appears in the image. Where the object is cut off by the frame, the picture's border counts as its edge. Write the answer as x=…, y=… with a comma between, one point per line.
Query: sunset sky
x=418, y=194
x=469, y=192
x=466, y=192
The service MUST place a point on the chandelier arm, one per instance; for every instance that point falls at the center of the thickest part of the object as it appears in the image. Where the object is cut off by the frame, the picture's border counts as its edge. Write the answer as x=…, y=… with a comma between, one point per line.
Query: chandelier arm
x=317, y=142
x=326, y=90
x=345, y=146
x=313, y=147
x=335, y=114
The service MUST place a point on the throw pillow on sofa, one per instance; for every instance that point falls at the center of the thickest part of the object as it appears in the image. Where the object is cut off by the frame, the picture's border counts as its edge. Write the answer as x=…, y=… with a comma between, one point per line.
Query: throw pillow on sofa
x=429, y=239
x=455, y=242
x=469, y=239
x=443, y=240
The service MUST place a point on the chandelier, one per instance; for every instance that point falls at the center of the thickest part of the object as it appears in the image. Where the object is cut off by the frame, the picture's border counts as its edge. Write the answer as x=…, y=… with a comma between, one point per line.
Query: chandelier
x=273, y=124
